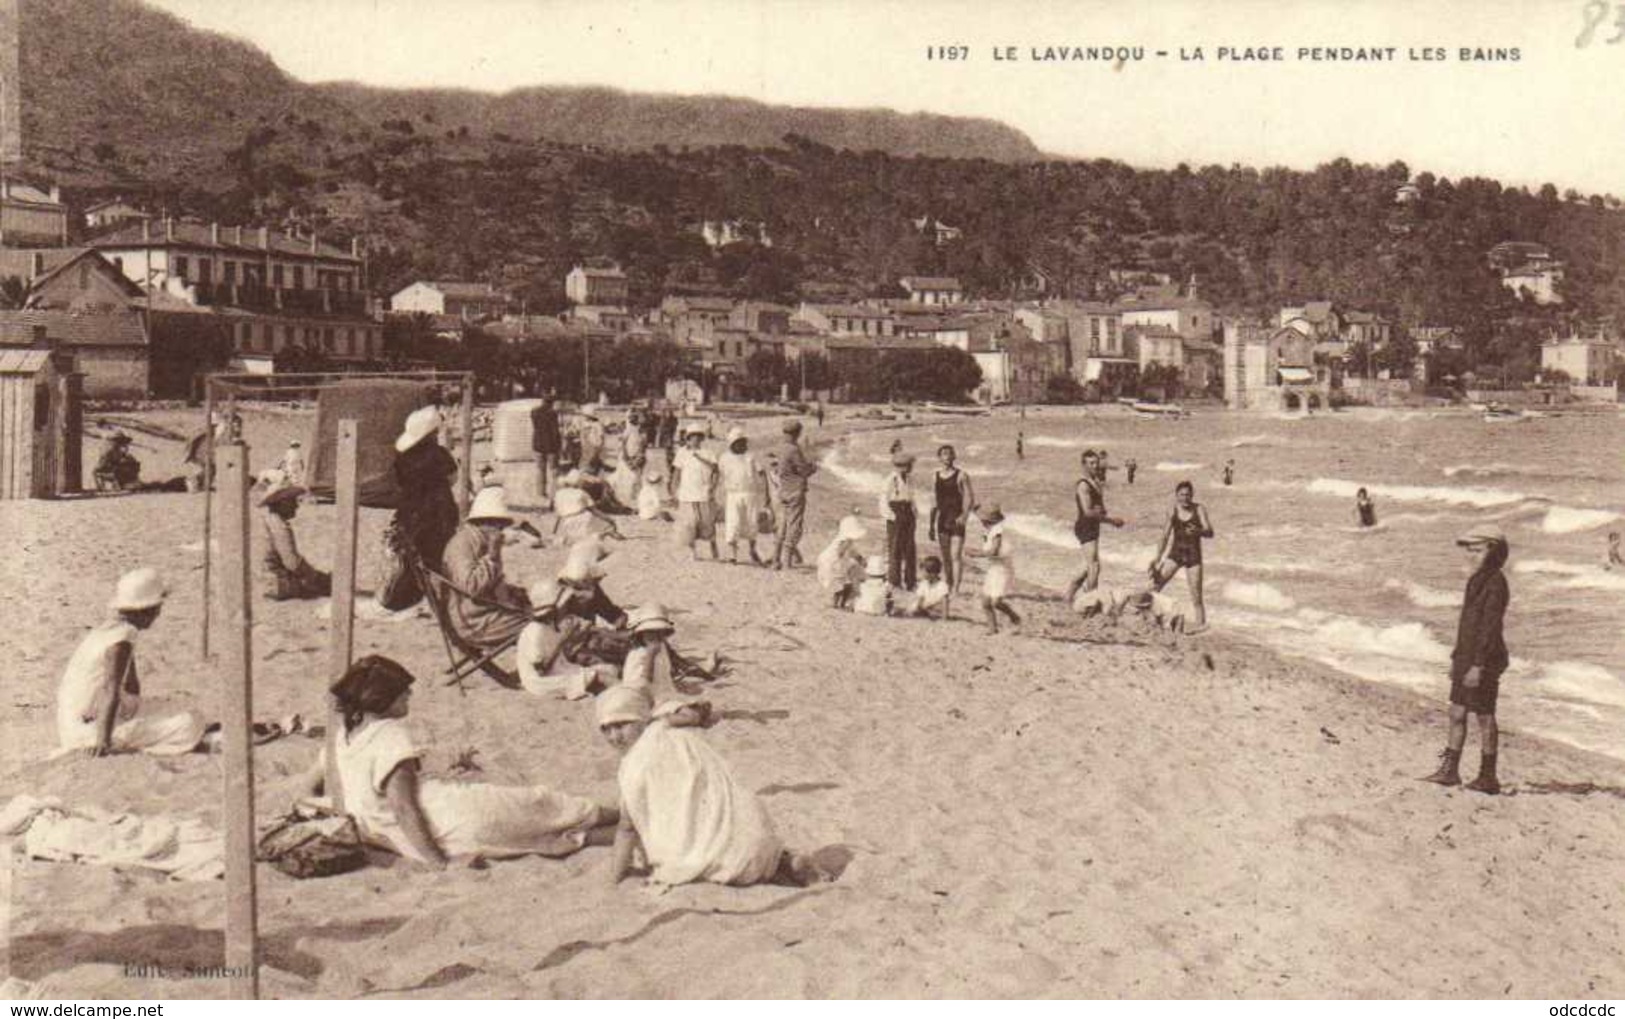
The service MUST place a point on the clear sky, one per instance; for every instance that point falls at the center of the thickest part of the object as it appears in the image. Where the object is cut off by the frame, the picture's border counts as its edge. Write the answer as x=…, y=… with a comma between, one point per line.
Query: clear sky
x=1556, y=114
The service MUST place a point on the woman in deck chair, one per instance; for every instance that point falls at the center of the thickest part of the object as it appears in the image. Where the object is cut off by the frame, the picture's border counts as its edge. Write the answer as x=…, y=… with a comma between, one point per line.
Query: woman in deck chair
x=485, y=609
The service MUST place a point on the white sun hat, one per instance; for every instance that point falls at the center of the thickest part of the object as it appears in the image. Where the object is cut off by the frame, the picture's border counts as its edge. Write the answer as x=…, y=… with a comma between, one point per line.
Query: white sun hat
x=138, y=589
x=490, y=503
x=420, y=424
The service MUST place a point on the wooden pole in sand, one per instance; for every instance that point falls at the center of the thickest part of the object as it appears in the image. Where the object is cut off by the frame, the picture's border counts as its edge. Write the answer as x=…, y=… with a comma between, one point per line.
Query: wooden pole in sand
x=343, y=640
x=466, y=420
x=237, y=739
x=208, y=500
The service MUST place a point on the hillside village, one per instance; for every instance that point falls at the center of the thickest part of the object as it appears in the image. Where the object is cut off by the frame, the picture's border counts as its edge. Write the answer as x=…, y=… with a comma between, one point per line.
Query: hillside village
x=341, y=227
x=147, y=304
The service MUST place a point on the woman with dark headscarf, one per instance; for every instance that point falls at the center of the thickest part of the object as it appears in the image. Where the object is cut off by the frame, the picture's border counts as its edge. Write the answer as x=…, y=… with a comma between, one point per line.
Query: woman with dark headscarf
x=425, y=508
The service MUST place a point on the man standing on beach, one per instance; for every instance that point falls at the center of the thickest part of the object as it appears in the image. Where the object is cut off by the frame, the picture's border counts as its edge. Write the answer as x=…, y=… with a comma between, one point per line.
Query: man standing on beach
x=792, y=471
x=1478, y=659
x=1091, y=504
x=544, y=440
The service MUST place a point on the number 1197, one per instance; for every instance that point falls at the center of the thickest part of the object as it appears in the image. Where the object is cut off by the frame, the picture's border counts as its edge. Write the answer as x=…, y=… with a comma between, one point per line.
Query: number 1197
x=947, y=53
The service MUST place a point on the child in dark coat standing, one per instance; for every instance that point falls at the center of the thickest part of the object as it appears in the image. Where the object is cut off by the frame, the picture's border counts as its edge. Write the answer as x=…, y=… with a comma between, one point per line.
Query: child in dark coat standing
x=1478, y=660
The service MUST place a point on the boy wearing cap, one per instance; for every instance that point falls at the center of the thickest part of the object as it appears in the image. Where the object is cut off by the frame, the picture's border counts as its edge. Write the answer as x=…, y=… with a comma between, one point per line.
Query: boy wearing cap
x=290, y=575
x=1478, y=659
x=100, y=694
x=897, y=509
x=742, y=482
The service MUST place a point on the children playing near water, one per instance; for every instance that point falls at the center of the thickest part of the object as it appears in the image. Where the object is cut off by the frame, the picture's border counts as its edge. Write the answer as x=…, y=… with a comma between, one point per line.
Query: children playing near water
x=1478, y=659
x=98, y=701
x=744, y=481
x=430, y=821
x=840, y=564
x=1616, y=557
x=1000, y=575
x=682, y=808
x=1181, y=549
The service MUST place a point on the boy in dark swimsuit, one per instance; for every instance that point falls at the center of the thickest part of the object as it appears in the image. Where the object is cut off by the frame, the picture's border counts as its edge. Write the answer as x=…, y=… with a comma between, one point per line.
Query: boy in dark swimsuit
x=1181, y=549
x=954, y=500
x=1091, y=506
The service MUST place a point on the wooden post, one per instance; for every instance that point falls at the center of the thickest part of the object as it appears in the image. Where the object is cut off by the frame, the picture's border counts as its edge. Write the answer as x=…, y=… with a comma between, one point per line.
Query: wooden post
x=208, y=501
x=237, y=719
x=343, y=639
x=466, y=471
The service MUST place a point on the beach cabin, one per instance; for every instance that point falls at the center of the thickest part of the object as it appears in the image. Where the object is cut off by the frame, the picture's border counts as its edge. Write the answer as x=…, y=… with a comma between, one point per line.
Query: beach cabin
x=39, y=424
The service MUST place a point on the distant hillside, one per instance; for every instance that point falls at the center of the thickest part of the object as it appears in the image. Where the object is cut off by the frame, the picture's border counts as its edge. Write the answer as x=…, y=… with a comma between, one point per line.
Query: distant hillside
x=622, y=120
x=117, y=92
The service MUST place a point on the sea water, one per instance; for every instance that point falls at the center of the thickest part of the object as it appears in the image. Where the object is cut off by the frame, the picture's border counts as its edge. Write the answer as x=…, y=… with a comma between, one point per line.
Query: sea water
x=1289, y=566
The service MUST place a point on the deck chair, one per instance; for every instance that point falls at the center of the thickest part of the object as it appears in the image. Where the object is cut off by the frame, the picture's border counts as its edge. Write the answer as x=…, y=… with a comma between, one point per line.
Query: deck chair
x=465, y=656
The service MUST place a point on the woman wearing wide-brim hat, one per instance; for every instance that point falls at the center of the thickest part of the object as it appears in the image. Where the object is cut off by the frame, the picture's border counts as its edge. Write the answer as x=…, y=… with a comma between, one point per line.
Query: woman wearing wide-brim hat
x=426, y=517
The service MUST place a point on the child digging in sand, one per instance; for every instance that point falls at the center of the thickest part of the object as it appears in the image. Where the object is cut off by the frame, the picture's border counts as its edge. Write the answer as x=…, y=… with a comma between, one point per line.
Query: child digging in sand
x=98, y=701
x=840, y=565
x=1000, y=576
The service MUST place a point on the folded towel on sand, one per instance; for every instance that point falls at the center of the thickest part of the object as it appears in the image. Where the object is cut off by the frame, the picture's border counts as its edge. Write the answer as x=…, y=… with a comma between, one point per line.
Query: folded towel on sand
x=185, y=849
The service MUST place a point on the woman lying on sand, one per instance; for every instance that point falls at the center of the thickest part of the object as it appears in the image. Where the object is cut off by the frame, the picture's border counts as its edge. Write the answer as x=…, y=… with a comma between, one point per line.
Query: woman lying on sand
x=431, y=821
x=100, y=694
x=683, y=807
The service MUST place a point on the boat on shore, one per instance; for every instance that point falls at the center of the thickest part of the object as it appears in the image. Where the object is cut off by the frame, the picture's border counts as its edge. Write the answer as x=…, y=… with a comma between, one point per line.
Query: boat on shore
x=971, y=411
x=1160, y=410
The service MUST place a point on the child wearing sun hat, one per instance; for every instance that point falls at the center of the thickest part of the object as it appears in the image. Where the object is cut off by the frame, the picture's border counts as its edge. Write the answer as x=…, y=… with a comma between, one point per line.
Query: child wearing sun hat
x=874, y=593
x=840, y=564
x=1000, y=576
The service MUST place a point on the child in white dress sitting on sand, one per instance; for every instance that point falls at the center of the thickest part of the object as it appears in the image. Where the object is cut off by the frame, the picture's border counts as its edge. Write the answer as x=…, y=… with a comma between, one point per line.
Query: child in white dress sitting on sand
x=98, y=700
x=840, y=565
x=1000, y=576
x=874, y=594
x=652, y=497
x=430, y=821
x=683, y=807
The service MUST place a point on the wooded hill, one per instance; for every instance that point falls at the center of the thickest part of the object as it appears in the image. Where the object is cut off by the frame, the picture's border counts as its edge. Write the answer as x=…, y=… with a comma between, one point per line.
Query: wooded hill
x=507, y=189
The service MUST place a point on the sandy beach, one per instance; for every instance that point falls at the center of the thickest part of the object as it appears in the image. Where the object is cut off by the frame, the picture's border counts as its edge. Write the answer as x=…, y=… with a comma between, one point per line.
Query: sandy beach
x=1078, y=809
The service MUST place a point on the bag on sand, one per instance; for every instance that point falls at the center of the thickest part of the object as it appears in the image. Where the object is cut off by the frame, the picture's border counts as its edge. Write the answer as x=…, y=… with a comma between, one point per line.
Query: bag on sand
x=304, y=847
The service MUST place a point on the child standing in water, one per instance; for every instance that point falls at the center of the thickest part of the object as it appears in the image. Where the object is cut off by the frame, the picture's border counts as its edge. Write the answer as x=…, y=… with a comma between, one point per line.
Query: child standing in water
x=1000, y=574
x=1229, y=472
x=1615, y=556
x=1478, y=659
x=1021, y=446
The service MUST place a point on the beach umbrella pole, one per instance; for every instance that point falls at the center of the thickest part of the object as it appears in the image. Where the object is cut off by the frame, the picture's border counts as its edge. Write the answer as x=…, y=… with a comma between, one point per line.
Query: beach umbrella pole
x=237, y=718
x=466, y=421
x=343, y=634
